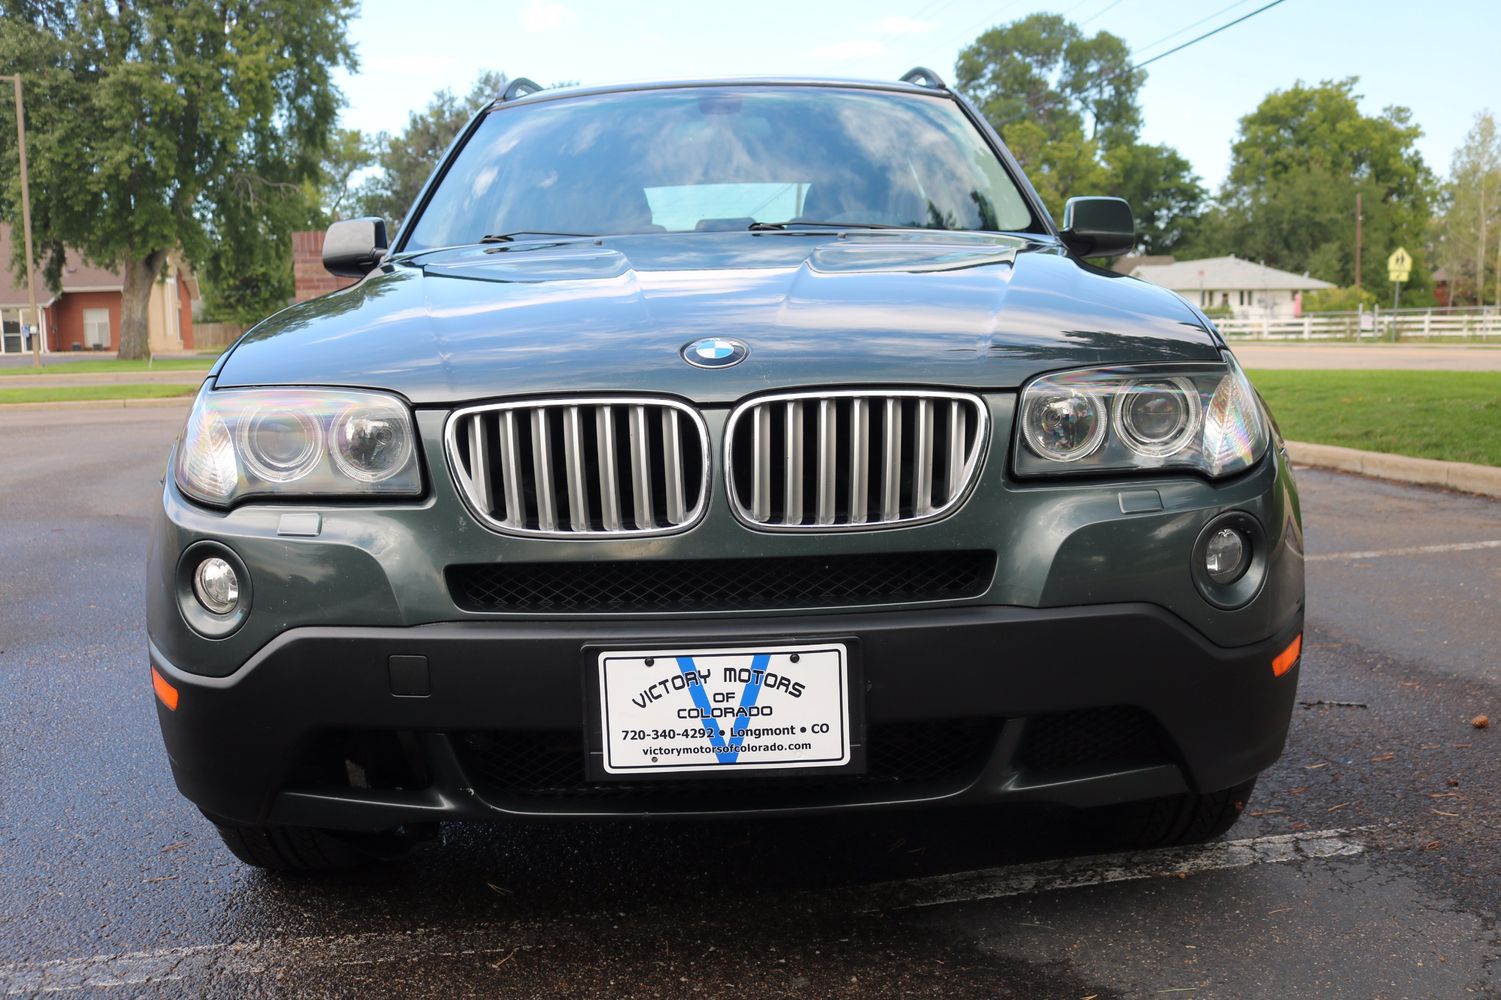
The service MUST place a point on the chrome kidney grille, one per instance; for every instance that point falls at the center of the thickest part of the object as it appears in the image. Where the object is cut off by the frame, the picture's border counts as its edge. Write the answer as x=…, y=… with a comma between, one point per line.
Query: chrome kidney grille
x=605, y=466
x=852, y=460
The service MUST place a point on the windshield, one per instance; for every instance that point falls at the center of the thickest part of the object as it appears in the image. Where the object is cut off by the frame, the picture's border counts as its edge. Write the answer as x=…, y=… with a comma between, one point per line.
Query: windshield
x=721, y=158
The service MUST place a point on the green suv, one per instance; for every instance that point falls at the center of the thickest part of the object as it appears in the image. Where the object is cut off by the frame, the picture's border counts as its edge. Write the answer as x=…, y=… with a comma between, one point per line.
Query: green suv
x=729, y=448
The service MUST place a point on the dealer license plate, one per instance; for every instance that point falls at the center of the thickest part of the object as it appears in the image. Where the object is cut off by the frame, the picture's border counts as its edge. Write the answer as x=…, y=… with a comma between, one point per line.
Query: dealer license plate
x=682, y=710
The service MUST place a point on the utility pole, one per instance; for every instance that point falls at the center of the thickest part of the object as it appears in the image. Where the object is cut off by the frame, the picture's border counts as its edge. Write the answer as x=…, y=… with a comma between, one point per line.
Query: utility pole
x=1357, y=243
x=36, y=316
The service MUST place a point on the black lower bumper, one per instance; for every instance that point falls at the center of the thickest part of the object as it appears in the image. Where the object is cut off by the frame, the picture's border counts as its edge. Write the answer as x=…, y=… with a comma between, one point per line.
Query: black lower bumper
x=1080, y=706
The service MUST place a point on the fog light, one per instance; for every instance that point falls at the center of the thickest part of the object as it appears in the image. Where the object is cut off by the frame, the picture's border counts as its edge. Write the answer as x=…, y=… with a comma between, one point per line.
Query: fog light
x=216, y=586
x=1226, y=556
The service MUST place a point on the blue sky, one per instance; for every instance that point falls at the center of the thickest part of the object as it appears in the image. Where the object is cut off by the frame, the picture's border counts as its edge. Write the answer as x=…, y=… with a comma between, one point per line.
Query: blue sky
x=1438, y=59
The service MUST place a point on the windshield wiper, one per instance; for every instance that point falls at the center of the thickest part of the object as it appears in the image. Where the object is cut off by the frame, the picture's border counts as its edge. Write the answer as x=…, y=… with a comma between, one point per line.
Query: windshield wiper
x=764, y=227
x=511, y=237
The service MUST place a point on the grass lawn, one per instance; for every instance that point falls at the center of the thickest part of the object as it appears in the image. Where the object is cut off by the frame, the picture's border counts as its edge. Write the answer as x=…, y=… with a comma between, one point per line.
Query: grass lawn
x=1454, y=416
x=75, y=393
x=113, y=365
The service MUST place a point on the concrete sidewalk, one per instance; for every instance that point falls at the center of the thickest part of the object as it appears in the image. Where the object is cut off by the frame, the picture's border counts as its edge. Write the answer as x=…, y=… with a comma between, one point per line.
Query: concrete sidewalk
x=1415, y=357
x=62, y=379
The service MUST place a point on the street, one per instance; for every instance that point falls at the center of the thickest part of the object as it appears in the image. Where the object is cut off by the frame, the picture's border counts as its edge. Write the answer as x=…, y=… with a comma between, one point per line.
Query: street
x=1368, y=864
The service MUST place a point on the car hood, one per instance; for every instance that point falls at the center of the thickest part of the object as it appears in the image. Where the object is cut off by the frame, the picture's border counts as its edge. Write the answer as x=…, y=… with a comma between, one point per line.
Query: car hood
x=873, y=307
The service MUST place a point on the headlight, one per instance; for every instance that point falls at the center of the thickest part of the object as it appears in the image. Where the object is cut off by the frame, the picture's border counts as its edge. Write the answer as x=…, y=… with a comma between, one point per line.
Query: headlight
x=242, y=443
x=1108, y=419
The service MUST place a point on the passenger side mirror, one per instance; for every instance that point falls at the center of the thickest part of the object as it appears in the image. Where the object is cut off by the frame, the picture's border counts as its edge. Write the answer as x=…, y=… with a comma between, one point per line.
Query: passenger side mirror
x=352, y=248
x=1098, y=227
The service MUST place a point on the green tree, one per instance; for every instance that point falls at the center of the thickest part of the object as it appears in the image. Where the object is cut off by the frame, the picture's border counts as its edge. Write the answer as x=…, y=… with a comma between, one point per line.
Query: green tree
x=1468, y=243
x=407, y=159
x=164, y=126
x=1042, y=69
x=1165, y=194
x=1299, y=161
x=1057, y=168
x=349, y=153
x=247, y=271
x=1066, y=104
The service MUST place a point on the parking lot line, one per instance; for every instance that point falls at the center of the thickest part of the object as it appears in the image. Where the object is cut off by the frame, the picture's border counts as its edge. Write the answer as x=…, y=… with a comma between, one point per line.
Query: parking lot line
x=272, y=955
x=1411, y=550
x=1103, y=869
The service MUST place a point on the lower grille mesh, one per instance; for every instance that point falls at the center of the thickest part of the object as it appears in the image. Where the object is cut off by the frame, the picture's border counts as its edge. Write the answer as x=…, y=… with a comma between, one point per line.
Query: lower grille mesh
x=551, y=765
x=1115, y=736
x=721, y=584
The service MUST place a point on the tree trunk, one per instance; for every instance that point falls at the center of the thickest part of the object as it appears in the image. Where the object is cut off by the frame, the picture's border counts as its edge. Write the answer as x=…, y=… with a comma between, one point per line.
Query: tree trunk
x=135, y=304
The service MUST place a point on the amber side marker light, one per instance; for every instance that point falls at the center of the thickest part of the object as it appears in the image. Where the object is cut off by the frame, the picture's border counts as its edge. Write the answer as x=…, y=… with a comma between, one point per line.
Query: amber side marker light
x=1285, y=659
x=166, y=692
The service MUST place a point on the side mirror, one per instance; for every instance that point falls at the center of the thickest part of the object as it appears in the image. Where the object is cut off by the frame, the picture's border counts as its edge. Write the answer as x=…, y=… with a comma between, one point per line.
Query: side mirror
x=352, y=248
x=1098, y=227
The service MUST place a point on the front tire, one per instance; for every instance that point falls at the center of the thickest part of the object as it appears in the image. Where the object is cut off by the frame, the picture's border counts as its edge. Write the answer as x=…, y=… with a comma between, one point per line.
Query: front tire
x=306, y=849
x=1190, y=818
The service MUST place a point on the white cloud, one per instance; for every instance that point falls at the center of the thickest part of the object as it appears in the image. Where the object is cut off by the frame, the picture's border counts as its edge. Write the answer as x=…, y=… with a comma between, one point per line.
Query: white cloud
x=893, y=27
x=850, y=48
x=546, y=15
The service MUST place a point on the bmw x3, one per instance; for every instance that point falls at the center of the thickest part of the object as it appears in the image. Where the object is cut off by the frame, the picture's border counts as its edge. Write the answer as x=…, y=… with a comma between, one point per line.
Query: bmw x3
x=724, y=448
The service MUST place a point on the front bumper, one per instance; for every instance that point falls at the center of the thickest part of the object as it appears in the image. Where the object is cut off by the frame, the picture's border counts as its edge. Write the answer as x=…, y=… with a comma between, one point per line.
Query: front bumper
x=994, y=672
x=1090, y=642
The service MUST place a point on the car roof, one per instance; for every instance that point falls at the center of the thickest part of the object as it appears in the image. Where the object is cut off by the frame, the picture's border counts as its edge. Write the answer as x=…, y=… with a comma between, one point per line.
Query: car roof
x=557, y=93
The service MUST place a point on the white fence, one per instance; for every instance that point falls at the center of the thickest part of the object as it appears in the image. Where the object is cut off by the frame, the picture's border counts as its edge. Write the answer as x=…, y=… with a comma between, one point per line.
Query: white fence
x=1469, y=323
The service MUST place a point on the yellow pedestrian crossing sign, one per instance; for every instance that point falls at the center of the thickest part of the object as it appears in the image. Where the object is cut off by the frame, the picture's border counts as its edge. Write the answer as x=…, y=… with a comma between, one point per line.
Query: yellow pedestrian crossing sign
x=1399, y=265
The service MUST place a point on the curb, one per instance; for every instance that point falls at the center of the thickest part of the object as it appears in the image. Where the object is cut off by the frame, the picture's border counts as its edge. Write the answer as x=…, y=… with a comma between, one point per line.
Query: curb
x=100, y=404
x=1462, y=476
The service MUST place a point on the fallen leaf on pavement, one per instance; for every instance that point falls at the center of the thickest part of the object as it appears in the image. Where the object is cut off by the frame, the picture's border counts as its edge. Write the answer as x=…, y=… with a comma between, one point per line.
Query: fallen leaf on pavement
x=1480, y=721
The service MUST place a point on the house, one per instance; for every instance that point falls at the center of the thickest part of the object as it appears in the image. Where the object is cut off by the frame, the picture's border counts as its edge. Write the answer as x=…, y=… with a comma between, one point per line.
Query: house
x=1246, y=289
x=85, y=315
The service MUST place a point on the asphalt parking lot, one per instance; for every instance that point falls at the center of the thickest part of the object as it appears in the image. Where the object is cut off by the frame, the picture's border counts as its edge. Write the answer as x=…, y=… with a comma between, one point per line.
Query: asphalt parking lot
x=1368, y=865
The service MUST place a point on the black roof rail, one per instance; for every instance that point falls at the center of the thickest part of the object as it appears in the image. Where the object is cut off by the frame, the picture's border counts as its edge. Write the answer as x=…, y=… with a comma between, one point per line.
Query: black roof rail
x=519, y=87
x=924, y=77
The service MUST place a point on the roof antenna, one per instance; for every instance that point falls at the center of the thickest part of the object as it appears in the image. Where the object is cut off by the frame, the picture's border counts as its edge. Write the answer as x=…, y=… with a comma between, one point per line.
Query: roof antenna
x=923, y=77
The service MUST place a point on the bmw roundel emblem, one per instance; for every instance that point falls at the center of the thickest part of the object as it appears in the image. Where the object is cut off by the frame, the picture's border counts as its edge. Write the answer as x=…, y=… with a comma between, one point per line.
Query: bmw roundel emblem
x=715, y=352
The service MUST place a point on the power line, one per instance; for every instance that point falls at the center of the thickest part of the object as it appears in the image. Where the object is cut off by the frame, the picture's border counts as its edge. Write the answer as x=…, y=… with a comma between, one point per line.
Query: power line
x=1189, y=27
x=1103, y=10
x=933, y=7
x=970, y=31
x=1207, y=34
x=1132, y=69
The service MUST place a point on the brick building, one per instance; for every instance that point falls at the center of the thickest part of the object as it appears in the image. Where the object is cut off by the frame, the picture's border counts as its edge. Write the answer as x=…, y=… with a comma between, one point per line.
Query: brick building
x=309, y=280
x=85, y=314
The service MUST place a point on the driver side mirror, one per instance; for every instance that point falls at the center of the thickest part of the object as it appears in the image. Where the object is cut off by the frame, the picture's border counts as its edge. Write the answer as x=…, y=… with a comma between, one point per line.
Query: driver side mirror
x=1098, y=227
x=352, y=248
